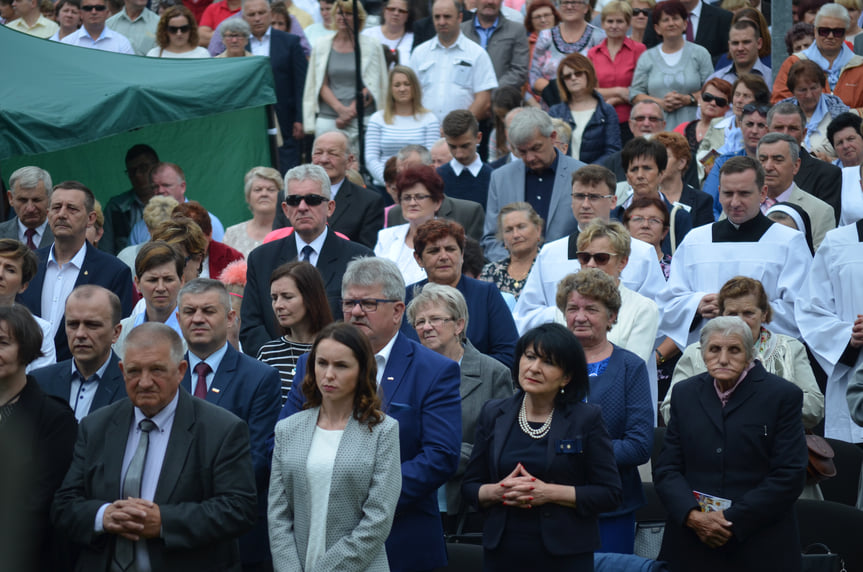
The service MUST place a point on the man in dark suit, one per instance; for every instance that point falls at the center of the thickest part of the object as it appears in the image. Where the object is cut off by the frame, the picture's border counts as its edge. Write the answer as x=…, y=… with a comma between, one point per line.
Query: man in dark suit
x=420, y=389
x=190, y=460
x=359, y=212
x=709, y=24
x=31, y=187
x=307, y=205
x=92, y=378
x=71, y=262
x=249, y=389
x=817, y=177
x=124, y=210
x=734, y=433
x=289, y=71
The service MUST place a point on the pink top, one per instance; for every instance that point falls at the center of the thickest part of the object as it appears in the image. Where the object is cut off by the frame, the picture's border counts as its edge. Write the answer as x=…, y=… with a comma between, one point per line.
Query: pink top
x=617, y=72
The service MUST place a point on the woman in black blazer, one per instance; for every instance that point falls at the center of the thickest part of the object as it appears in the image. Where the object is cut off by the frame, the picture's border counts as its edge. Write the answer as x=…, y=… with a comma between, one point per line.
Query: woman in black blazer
x=542, y=466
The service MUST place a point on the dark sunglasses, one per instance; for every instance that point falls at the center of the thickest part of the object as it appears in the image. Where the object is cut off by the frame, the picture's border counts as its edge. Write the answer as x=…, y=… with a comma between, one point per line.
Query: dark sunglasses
x=837, y=32
x=752, y=108
x=178, y=29
x=311, y=200
x=720, y=101
x=96, y=7
x=640, y=12
x=600, y=257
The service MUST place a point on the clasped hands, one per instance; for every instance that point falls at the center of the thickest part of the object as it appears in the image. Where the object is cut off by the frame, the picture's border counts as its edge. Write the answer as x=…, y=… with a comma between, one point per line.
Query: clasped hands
x=711, y=527
x=133, y=518
x=674, y=101
x=348, y=113
x=521, y=489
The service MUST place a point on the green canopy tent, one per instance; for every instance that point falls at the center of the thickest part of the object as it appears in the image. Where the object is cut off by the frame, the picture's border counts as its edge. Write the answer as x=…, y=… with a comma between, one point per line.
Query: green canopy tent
x=76, y=111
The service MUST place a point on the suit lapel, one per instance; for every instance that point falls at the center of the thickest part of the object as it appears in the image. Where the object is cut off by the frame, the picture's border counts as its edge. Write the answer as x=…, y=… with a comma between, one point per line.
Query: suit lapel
x=745, y=390
x=343, y=203
x=87, y=272
x=562, y=186
x=503, y=423
x=400, y=358
x=179, y=446
x=115, y=445
x=470, y=371
x=223, y=376
x=710, y=402
x=108, y=385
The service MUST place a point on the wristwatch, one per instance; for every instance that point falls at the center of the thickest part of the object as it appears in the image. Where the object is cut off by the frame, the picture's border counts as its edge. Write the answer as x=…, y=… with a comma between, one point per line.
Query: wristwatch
x=692, y=100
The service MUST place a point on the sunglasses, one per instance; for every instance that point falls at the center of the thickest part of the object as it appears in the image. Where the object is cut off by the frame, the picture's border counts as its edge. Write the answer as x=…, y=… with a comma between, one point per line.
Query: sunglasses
x=96, y=7
x=601, y=258
x=640, y=12
x=752, y=108
x=837, y=32
x=720, y=101
x=311, y=200
x=178, y=29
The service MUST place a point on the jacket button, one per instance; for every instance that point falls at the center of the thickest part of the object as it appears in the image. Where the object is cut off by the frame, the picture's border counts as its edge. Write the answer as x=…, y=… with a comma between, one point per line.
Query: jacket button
x=719, y=449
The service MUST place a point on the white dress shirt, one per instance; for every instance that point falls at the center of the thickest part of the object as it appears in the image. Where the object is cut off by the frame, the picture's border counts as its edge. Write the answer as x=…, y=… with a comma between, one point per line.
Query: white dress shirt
x=317, y=244
x=59, y=283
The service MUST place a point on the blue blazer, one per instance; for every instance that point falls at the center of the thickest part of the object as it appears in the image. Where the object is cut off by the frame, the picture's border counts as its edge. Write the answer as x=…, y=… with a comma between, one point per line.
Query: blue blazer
x=421, y=391
x=57, y=380
x=289, y=65
x=752, y=452
x=601, y=135
x=623, y=394
x=99, y=268
x=490, y=327
x=252, y=391
x=590, y=468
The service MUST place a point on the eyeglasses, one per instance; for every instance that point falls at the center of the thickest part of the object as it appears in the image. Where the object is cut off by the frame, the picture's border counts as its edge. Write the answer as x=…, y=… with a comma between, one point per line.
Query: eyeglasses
x=435, y=322
x=651, y=220
x=227, y=37
x=572, y=75
x=825, y=32
x=581, y=197
x=541, y=15
x=650, y=118
x=601, y=258
x=178, y=29
x=311, y=200
x=573, y=3
x=96, y=7
x=414, y=198
x=367, y=304
x=394, y=10
x=640, y=12
x=708, y=97
x=754, y=107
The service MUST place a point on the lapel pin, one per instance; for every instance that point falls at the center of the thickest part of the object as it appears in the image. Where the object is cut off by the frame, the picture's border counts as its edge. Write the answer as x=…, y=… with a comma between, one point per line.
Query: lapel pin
x=214, y=390
x=390, y=378
x=86, y=273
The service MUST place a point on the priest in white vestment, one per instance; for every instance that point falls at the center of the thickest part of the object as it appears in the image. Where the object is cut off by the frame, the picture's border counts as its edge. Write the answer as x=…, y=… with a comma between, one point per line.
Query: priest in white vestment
x=746, y=243
x=829, y=313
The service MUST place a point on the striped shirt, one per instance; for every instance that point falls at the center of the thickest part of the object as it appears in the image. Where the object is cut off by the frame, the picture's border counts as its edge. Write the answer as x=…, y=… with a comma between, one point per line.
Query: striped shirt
x=283, y=354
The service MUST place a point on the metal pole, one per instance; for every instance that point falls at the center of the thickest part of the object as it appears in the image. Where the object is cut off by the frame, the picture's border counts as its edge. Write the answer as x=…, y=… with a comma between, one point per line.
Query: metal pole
x=360, y=101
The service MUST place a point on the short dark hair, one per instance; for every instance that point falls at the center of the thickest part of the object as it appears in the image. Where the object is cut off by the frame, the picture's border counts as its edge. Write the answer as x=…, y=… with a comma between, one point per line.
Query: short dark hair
x=437, y=229
x=473, y=257
x=134, y=151
x=755, y=84
x=560, y=346
x=87, y=291
x=11, y=248
x=367, y=403
x=842, y=121
x=195, y=211
x=89, y=197
x=591, y=175
x=803, y=70
x=670, y=7
x=744, y=24
x=458, y=122
x=742, y=164
x=424, y=175
x=639, y=147
x=645, y=202
x=27, y=333
x=311, y=286
x=797, y=32
x=156, y=253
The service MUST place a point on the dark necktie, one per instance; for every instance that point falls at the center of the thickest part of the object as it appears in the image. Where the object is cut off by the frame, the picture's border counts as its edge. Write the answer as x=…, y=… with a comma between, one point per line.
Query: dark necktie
x=124, y=551
x=690, y=33
x=30, y=233
x=202, y=369
x=306, y=254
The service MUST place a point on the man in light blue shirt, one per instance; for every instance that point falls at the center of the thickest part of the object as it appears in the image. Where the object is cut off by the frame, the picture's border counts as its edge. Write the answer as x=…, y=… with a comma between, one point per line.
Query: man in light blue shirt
x=94, y=34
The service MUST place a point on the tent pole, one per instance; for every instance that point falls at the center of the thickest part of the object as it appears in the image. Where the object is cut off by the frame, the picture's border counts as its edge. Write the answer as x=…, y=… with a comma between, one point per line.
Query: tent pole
x=359, y=92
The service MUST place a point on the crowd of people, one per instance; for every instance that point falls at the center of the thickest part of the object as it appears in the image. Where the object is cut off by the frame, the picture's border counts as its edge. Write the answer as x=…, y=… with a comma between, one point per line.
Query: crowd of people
x=572, y=222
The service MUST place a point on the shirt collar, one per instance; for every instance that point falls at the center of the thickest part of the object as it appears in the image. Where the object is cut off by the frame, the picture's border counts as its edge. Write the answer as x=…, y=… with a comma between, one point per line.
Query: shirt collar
x=491, y=28
x=100, y=373
x=724, y=396
x=386, y=351
x=474, y=167
x=436, y=45
x=77, y=260
x=316, y=244
x=40, y=230
x=265, y=37
x=696, y=12
x=213, y=360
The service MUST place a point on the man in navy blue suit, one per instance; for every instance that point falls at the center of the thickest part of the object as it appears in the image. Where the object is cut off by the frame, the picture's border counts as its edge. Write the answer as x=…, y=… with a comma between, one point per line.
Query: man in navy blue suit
x=92, y=378
x=71, y=262
x=420, y=389
x=249, y=389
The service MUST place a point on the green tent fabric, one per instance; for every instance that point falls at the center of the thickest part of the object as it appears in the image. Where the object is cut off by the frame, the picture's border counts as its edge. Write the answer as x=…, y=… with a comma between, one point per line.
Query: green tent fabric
x=75, y=111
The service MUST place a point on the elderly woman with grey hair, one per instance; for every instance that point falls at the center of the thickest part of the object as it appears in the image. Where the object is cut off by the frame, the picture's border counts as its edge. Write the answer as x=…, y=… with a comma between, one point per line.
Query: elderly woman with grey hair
x=734, y=461
x=262, y=186
x=439, y=314
x=235, y=35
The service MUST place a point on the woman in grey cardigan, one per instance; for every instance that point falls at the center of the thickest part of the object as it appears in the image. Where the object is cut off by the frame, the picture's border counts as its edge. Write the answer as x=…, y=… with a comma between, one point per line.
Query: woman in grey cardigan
x=336, y=475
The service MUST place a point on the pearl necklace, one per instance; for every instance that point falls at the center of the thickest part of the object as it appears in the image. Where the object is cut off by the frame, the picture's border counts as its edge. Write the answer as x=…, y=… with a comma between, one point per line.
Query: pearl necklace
x=530, y=431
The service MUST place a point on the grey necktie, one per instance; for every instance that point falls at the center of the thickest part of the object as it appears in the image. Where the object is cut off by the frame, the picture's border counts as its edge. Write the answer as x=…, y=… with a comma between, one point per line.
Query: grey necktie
x=124, y=551
x=306, y=253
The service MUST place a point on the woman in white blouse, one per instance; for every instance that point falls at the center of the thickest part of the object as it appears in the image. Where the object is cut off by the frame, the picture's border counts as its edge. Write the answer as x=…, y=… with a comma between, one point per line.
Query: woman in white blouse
x=402, y=121
x=395, y=33
x=336, y=476
x=177, y=35
x=420, y=191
